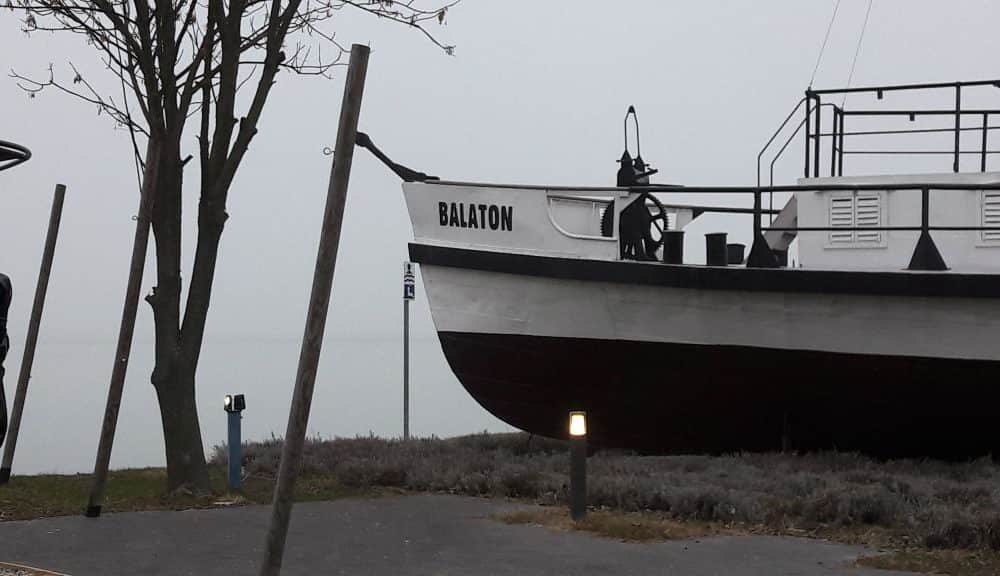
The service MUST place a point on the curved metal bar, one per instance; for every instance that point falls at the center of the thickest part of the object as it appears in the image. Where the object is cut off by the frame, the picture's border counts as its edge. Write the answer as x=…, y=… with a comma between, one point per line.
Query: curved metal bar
x=782, y=151
x=12, y=154
x=775, y=135
x=406, y=174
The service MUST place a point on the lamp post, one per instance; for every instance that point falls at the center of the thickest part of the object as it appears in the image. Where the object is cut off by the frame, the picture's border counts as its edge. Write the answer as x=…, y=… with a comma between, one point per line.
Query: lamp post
x=234, y=406
x=578, y=465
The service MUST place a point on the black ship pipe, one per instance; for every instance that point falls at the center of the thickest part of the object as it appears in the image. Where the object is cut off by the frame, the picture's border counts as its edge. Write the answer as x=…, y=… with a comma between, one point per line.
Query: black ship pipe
x=902, y=87
x=958, y=130
x=673, y=188
x=923, y=112
x=908, y=131
x=819, y=141
x=986, y=135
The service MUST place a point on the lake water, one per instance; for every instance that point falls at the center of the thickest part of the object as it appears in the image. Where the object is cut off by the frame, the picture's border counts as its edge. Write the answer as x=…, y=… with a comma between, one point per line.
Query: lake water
x=358, y=392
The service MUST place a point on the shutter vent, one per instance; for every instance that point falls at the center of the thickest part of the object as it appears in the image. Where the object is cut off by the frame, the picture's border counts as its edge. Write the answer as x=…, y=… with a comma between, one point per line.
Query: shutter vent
x=991, y=214
x=841, y=214
x=868, y=212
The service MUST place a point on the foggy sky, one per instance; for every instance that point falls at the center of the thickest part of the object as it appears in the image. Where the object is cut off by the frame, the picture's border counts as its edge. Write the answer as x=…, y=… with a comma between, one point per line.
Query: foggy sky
x=535, y=93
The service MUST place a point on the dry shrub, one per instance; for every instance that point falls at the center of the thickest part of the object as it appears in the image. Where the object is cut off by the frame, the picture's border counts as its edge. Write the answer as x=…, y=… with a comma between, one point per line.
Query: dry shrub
x=944, y=505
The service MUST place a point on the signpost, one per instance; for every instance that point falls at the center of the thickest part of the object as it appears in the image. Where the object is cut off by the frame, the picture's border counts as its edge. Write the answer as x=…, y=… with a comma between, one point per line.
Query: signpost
x=409, y=290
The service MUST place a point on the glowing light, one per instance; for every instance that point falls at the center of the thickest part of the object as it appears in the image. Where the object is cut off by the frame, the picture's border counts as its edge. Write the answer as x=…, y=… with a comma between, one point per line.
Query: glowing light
x=577, y=423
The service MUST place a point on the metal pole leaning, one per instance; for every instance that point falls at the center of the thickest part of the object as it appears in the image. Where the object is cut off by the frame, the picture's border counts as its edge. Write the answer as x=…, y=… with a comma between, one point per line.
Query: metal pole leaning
x=319, y=300
x=24, y=375
x=124, y=347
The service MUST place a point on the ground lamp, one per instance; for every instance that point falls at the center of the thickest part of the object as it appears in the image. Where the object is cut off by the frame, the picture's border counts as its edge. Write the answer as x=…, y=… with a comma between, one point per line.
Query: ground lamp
x=578, y=465
x=234, y=406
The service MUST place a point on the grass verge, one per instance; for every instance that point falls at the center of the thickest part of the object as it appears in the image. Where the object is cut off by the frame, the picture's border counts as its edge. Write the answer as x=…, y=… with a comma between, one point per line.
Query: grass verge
x=29, y=497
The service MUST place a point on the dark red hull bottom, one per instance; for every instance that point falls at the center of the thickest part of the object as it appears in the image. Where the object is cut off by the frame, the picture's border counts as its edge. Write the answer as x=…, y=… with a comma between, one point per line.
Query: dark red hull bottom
x=683, y=398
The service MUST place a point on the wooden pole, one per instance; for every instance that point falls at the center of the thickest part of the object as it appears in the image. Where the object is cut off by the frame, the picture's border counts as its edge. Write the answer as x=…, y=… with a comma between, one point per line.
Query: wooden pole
x=24, y=375
x=125, y=331
x=319, y=299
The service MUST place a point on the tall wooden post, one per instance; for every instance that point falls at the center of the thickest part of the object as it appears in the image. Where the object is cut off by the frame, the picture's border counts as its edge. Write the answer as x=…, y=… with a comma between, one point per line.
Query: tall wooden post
x=24, y=375
x=319, y=299
x=124, y=348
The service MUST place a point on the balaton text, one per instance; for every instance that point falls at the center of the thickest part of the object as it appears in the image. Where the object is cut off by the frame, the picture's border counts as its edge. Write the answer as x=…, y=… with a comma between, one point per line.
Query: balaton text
x=482, y=216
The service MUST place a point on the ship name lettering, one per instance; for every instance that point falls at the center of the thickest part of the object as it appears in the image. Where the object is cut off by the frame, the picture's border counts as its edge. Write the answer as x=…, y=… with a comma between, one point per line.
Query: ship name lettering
x=479, y=216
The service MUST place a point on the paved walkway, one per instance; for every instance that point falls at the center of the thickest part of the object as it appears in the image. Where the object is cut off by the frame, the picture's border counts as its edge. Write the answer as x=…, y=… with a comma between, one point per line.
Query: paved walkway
x=420, y=535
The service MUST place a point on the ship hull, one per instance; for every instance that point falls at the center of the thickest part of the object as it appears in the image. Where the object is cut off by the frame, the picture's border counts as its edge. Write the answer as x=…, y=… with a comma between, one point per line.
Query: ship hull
x=681, y=359
x=657, y=397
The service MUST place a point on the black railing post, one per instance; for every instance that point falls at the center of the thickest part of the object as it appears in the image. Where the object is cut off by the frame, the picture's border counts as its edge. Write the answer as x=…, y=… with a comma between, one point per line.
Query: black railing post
x=986, y=131
x=760, y=255
x=840, y=146
x=833, y=140
x=926, y=255
x=816, y=152
x=958, y=124
x=808, y=138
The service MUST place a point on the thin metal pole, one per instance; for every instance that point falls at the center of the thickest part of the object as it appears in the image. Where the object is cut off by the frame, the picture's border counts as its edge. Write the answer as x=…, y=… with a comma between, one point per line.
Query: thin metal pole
x=578, y=477
x=925, y=210
x=28, y=359
x=808, y=138
x=958, y=124
x=124, y=347
x=840, y=148
x=986, y=135
x=406, y=369
x=818, y=136
x=235, y=449
x=319, y=299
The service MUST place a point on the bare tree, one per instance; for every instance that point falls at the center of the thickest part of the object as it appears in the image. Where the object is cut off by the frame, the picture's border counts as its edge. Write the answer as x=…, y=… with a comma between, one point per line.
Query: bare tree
x=175, y=60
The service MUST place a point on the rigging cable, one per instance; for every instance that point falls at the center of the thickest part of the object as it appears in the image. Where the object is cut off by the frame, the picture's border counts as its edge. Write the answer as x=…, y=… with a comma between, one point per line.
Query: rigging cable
x=819, y=60
x=826, y=39
x=857, y=51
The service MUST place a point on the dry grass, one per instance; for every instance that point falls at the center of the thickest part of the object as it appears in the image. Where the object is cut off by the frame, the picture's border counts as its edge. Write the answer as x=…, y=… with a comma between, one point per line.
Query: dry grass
x=29, y=497
x=632, y=527
x=907, y=503
x=957, y=562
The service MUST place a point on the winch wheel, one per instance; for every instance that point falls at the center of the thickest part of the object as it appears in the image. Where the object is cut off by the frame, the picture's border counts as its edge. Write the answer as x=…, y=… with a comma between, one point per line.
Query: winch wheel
x=657, y=224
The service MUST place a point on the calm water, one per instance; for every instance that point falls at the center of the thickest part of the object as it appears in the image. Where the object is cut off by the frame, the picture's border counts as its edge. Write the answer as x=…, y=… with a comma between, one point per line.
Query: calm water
x=358, y=391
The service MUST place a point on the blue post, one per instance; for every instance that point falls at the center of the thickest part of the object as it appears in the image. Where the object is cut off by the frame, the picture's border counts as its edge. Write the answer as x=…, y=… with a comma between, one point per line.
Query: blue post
x=235, y=449
x=234, y=406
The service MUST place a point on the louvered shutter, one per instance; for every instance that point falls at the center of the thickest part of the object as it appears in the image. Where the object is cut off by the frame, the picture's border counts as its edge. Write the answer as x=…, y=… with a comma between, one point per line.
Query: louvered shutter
x=841, y=215
x=991, y=214
x=868, y=212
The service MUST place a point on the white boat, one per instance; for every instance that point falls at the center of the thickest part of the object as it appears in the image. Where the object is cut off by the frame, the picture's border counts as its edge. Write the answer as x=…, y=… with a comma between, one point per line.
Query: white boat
x=884, y=337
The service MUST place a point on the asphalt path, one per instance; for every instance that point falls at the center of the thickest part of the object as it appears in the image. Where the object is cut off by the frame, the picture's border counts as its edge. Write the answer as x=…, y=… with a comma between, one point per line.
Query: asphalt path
x=432, y=535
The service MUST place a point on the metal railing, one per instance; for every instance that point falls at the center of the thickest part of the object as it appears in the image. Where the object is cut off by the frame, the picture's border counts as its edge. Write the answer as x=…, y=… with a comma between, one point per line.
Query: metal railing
x=925, y=256
x=814, y=137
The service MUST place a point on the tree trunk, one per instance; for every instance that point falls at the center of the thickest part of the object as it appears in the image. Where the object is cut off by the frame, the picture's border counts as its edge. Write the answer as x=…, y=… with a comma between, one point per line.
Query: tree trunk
x=186, y=466
x=174, y=372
